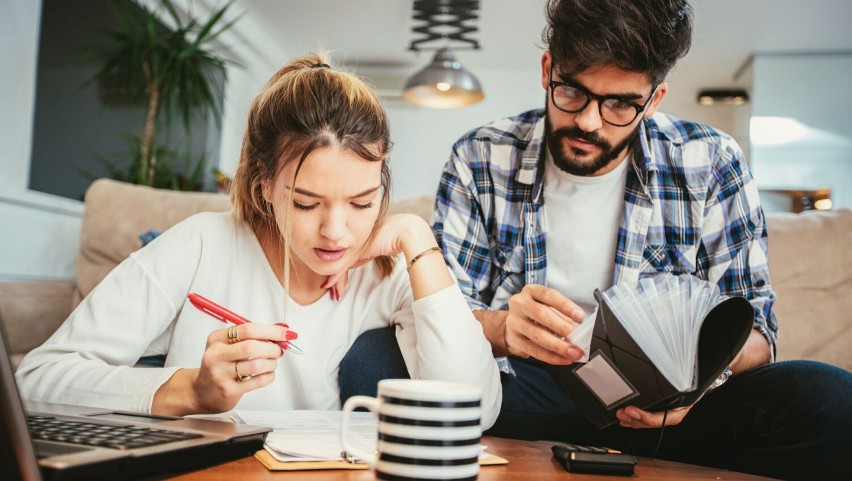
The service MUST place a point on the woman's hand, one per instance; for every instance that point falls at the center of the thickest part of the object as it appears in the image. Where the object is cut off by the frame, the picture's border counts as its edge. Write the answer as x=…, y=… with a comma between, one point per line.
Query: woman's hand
x=399, y=233
x=229, y=369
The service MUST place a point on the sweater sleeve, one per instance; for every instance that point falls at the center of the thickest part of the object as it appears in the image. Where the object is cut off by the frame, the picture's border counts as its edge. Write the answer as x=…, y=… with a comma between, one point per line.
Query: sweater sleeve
x=89, y=359
x=441, y=340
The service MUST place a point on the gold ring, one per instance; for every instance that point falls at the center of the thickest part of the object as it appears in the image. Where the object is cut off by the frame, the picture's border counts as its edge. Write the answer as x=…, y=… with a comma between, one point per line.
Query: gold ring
x=233, y=334
x=241, y=377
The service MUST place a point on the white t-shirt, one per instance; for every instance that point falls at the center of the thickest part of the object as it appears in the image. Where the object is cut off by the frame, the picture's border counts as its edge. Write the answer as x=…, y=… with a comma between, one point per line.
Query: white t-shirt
x=582, y=216
x=141, y=309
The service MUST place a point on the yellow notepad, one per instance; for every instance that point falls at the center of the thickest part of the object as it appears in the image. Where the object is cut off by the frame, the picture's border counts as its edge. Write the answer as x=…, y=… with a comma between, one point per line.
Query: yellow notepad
x=273, y=464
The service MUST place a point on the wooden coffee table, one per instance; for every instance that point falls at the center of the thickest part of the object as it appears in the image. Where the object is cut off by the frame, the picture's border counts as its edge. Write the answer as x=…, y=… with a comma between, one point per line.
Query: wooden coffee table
x=528, y=461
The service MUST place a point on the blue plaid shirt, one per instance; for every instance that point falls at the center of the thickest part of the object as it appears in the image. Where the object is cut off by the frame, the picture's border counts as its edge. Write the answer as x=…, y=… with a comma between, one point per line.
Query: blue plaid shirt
x=690, y=206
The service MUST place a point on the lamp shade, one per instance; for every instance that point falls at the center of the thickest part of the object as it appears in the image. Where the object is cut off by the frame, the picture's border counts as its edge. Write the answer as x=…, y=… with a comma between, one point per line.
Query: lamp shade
x=722, y=97
x=443, y=84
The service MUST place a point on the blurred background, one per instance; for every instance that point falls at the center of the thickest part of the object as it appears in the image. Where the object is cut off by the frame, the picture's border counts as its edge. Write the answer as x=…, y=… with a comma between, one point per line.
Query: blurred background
x=772, y=73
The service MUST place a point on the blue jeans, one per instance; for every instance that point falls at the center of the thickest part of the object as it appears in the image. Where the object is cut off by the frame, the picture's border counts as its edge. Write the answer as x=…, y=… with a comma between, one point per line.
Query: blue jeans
x=788, y=420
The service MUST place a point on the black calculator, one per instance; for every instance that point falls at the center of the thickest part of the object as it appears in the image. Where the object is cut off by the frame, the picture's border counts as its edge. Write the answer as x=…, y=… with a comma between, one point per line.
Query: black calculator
x=593, y=460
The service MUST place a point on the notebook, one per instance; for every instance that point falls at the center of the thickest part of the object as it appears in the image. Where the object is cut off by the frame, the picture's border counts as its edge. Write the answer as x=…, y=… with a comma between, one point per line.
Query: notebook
x=136, y=445
x=658, y=347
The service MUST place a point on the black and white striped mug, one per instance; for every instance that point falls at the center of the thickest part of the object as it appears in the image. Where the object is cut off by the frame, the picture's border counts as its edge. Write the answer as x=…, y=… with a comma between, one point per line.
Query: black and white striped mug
x=427, y=430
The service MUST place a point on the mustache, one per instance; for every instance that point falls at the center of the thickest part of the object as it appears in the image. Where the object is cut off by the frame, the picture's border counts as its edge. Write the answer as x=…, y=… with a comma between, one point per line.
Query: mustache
x=577, y=133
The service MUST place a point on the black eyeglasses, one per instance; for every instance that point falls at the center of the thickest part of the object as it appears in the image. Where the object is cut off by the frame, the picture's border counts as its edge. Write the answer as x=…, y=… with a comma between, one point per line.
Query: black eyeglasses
x=613, y=109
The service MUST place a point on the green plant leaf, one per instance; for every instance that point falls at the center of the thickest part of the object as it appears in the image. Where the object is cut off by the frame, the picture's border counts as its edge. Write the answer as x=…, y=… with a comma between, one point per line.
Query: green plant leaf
x=177, y=72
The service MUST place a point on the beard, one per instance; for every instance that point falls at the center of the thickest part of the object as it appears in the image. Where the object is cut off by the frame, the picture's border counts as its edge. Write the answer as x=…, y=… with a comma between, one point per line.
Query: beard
x=573, y=164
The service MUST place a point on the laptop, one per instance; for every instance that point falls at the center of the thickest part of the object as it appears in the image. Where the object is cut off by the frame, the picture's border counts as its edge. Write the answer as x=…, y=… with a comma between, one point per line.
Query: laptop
x=66, y=442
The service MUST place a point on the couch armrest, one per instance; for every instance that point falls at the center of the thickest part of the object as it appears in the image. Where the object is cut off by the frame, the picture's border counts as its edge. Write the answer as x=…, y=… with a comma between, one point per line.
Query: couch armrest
x=31, y=311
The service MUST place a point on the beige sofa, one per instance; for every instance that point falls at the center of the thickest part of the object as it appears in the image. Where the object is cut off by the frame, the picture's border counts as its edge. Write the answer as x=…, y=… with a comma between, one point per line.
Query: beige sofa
x=810, y=262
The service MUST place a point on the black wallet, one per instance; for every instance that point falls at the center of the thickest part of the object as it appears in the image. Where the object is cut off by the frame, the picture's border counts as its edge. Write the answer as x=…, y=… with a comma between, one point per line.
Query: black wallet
x=593, y=460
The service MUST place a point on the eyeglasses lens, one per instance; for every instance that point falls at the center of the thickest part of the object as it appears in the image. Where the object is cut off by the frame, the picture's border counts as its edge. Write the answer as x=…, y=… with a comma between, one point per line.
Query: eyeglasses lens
x=613, y=111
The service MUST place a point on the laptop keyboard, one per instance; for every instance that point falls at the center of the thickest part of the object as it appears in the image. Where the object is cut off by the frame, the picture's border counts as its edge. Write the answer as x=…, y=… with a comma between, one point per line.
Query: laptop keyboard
x=108, y=436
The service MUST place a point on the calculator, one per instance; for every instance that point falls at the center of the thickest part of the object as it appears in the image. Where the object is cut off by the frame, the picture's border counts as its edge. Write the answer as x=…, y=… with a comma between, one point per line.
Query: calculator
x=593, y=460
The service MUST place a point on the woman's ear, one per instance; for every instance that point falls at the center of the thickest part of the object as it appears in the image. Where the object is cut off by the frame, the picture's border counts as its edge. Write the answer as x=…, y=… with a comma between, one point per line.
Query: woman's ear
x=266, y=190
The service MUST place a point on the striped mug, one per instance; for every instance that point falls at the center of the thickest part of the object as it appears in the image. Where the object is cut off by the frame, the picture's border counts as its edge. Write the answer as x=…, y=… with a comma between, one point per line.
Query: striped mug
x=427, y=430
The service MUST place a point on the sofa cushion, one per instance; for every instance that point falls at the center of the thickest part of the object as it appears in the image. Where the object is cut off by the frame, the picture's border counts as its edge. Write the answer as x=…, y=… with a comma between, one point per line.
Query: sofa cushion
x=422, y=206
x=810, y=259
x=116, y=213
x=810, y=263
x=31, y=312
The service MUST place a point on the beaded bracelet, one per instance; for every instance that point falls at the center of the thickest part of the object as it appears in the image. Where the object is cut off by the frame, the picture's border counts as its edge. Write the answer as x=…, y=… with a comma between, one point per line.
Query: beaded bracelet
x=418, y=256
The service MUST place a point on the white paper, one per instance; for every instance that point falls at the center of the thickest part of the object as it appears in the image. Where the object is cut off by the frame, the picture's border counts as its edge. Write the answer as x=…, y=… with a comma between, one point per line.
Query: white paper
x=653, y=315
x=311, y=435
x=581, y=336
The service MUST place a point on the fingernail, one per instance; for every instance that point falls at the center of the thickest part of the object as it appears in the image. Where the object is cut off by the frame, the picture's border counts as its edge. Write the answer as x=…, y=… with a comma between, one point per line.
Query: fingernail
x=575, y=354
x=324, y=284
x=291, y=335
x=578, y=314
x=282, y=324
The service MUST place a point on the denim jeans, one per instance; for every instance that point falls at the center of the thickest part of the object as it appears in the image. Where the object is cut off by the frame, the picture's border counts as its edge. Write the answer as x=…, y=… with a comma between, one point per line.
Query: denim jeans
x=788, y=420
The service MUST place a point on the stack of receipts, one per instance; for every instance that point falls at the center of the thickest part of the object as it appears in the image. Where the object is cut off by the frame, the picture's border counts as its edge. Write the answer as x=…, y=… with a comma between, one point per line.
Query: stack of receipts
x=311, y=435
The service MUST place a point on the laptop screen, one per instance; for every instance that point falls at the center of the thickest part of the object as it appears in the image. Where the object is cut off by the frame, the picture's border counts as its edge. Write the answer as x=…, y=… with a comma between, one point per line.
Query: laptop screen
x=17, y=457
x=111, y=444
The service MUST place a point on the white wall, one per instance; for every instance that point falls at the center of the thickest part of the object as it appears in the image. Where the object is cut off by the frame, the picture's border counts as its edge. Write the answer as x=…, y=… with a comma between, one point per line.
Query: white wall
x=801, y=127
x=423, y=138
x=39, y=233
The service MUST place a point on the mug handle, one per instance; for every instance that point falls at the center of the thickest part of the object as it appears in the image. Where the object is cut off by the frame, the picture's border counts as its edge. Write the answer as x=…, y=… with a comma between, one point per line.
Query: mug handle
x=370, y=403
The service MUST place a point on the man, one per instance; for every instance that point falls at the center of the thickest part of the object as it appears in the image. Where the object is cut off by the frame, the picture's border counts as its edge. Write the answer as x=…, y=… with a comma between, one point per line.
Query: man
x=536, y=211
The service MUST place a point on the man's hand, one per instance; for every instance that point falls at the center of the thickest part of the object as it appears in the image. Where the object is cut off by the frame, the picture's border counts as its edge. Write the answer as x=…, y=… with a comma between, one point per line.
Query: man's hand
x=538, y=323
x=633, y=417
x=756, y=352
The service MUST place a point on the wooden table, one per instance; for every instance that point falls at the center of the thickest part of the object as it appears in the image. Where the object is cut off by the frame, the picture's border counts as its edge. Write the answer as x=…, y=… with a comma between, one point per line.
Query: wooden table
x=528, y=461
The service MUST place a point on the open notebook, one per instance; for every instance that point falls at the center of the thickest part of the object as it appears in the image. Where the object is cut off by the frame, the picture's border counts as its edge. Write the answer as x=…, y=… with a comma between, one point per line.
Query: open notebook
x=82, y=443
x=658, y=346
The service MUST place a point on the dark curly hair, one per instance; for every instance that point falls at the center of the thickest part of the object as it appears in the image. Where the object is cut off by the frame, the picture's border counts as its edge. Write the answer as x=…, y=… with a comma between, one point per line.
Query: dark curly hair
x=646, y=36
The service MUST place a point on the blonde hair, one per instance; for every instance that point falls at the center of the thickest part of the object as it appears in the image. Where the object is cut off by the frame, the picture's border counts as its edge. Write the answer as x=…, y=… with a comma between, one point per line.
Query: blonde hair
x=305, y=106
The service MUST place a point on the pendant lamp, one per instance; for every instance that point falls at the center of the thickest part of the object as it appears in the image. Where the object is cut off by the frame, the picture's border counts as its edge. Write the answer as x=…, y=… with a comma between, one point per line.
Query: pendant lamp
x=444, y=83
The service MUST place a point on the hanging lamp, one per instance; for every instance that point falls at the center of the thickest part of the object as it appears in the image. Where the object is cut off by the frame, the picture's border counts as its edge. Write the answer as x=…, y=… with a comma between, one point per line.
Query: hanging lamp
x=444, y=83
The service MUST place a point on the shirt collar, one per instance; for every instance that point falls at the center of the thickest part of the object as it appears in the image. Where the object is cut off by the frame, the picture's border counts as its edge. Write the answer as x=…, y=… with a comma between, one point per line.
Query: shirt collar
x=531, y=171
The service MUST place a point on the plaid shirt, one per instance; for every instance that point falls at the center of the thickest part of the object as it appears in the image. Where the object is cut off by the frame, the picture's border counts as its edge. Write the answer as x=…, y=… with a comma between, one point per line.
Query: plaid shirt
x=690, y=206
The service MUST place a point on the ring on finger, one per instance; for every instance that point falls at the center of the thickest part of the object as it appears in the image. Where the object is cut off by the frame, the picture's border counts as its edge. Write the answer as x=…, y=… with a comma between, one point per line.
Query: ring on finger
x=233, y=334
x=241, y=377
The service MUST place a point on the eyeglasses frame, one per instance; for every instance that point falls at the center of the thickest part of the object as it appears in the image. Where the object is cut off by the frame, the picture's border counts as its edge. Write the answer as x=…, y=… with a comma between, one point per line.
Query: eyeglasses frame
x=552, y=84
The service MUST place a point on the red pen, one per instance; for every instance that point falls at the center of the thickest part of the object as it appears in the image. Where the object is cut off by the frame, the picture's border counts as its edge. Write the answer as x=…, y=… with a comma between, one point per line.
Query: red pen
x=215, y=310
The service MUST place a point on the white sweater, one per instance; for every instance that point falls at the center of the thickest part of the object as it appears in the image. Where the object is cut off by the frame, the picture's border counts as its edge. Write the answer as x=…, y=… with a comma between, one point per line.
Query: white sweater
x=141, y=309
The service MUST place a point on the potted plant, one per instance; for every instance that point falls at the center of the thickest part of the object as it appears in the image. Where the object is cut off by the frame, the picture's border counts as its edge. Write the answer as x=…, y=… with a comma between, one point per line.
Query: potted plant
x=175, y=72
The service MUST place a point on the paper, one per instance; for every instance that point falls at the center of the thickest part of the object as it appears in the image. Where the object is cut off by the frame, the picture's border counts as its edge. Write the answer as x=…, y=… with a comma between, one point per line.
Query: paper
x=653, y=315
x=310, y=435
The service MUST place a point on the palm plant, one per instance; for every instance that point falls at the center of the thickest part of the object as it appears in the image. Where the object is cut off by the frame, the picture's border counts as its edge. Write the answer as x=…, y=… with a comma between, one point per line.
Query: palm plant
x=173, y=70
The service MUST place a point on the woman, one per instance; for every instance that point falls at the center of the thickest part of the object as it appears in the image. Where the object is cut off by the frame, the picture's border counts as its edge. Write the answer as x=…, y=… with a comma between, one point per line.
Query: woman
x=310, y=196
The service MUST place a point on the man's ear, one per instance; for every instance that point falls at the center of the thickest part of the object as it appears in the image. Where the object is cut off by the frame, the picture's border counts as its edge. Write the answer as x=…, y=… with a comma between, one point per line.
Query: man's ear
x=545, y=70
x=661, y=91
